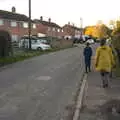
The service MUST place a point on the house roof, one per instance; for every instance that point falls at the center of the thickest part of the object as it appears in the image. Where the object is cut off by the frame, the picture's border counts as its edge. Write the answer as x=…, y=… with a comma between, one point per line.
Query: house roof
x=51, y=24
x=73, y=27
x=13, y=16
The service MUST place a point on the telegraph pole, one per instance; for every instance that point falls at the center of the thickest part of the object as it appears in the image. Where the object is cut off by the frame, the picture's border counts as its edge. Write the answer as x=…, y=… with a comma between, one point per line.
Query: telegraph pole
x=29, y=24
x=81, y=27
x=81, y=22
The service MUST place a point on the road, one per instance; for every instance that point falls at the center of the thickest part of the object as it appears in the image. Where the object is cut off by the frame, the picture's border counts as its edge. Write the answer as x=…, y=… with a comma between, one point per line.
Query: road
x=40, y=88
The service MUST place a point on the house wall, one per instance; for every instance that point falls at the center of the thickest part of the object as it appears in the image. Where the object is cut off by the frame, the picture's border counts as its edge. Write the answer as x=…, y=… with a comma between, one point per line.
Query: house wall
x=18, y=31
x=69, y=31
x=49, y=30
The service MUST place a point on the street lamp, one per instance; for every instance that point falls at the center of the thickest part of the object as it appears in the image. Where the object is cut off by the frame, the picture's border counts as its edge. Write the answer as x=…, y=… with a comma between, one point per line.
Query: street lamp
x=29, y=24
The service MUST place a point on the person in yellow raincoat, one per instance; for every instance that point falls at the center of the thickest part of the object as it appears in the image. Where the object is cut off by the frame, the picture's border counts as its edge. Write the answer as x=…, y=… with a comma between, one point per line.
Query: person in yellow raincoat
x=104, y=61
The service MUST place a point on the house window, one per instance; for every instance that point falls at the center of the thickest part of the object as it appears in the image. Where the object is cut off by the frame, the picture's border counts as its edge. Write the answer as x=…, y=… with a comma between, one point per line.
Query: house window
x=13, y=24
x=53, y=29
x=76, y=31
x=1, y=22
x=25, y=25
x=58, y=30
x=14, y=38
x=62, y=30
x=34, y=26
x=20, y=24
x=49, y=28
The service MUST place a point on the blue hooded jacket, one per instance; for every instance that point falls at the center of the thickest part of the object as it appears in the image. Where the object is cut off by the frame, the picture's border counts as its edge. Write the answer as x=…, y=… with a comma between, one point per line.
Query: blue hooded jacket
x=87, y=54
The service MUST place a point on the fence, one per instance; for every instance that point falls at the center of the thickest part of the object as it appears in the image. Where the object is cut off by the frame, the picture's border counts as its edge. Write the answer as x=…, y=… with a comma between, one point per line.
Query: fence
x=19, y=54
x=55, y=43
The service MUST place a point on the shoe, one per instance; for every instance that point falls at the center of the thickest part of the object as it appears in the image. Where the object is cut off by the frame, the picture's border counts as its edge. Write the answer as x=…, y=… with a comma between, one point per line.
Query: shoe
x=106, y=85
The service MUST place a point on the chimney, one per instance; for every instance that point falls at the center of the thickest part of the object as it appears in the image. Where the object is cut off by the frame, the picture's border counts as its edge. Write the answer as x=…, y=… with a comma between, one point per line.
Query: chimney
x=68, y=23
x=49, y=20
x=41, y=18
x=13, y=10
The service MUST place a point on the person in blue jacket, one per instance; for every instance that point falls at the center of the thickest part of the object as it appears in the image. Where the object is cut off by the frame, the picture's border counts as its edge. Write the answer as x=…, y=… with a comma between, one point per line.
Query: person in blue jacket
x=87, y=57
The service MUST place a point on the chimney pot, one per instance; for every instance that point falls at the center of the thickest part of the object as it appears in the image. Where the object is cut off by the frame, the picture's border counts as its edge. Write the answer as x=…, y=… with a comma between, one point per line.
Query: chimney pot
x=41, y=18
x=13, y=9
x=49, y=20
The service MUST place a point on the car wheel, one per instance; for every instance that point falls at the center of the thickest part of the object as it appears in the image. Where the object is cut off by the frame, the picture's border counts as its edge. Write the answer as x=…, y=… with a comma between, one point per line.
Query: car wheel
x=39, y=48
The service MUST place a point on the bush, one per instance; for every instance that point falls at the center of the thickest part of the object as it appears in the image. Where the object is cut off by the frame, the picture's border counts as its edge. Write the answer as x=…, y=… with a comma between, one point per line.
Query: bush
x=116, y=46
x=116, y=41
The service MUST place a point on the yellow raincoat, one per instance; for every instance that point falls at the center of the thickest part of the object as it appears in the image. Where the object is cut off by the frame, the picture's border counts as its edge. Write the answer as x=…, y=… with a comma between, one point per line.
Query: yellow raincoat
x=104, y=59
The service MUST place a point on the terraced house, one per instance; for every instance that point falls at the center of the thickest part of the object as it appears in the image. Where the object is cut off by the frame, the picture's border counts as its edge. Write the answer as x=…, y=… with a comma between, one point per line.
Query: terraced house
x=72, y=31
x=48, y=28
x=16, y=24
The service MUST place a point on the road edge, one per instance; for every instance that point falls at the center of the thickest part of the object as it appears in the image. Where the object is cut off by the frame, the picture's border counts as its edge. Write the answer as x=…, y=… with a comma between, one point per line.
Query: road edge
x=80, y=98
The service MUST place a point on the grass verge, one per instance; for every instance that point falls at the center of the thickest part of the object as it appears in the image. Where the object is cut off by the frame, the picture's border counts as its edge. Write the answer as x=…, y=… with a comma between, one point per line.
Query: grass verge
x=26, y=55
x=117, y=70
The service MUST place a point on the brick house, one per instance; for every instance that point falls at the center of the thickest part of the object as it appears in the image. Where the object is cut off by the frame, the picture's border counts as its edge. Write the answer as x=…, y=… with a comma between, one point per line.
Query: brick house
x=16, y=24
x=48, y=28
x=72, y=31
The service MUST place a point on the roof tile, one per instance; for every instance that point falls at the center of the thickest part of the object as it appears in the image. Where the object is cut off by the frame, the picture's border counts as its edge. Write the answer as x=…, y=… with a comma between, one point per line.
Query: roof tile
x=51, y=24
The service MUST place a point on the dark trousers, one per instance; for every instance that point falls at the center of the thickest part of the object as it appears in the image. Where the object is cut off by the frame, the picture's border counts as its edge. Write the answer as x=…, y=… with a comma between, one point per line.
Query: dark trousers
x=87, y=68
x=88, y=64
x=105, y=78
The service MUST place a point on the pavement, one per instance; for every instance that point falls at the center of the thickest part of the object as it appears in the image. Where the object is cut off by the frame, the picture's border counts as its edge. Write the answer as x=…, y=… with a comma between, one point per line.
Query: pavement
x=40, y=88
x=101, y=103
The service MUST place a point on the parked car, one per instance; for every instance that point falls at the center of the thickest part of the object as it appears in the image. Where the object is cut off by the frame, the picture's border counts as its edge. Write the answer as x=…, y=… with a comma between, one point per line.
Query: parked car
x=44, y=41
x=36, y=44
x=40, y=46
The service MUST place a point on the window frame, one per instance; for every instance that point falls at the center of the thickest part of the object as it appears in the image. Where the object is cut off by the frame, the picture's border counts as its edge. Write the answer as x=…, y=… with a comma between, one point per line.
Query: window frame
x=15, y=37
x=53, y=29
x=49, y=28
x=2, y=22
x=25, y=25
x=34, y=26
x=15, y=25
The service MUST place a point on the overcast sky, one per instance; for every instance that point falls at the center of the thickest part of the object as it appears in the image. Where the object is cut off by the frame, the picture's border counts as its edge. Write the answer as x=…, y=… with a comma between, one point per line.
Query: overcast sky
x=62, y=11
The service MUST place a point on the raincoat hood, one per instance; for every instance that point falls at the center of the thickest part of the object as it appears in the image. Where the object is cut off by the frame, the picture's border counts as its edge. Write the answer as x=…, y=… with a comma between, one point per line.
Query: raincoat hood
x=104, y=47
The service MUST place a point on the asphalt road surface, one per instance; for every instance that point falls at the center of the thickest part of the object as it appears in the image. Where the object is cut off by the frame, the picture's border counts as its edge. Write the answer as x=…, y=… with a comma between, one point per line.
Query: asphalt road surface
x=40, y=88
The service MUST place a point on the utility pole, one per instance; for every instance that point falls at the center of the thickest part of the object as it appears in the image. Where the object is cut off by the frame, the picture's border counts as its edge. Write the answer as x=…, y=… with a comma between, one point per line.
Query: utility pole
x=81, y=27
x=29, y=24
x=81, y=22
